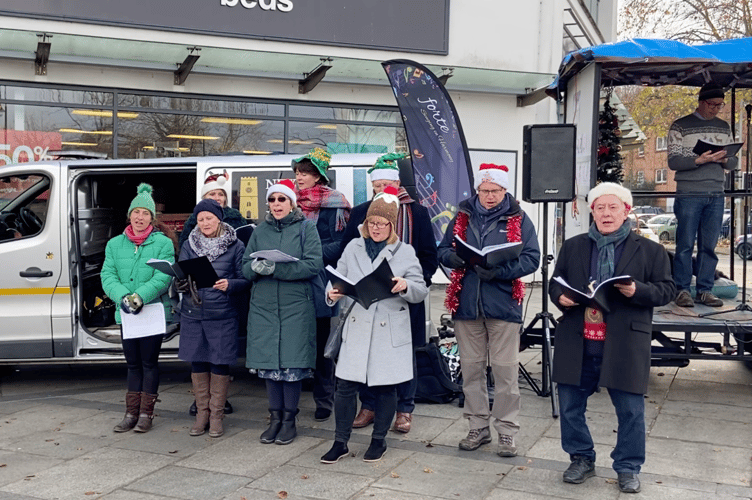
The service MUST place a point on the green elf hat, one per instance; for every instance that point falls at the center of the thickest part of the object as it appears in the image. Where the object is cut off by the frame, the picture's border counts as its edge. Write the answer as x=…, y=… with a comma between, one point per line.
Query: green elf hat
x=320, y=159
x=386, y=167
x=143, y=200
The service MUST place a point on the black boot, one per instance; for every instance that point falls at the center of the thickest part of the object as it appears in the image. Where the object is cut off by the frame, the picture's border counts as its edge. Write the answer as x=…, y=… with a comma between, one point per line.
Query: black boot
x=338, y=450
x=287, y=432
x=275, y=422
x=375, y=450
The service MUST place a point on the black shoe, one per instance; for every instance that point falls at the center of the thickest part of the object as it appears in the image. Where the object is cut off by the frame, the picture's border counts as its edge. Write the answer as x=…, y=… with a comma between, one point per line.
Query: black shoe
x=275, y=422
x=322, y=414
x=579, y=470
x=375, y=450
x=338, y=451
x=287, y=431
x=192, y=411
x=628, y=482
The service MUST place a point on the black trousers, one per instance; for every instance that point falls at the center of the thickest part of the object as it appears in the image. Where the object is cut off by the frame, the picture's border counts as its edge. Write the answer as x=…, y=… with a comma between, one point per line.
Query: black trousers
x=141, y=357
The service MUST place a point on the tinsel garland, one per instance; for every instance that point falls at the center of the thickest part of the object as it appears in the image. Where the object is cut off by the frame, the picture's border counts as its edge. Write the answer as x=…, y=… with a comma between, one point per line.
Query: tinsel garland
x=514, y=233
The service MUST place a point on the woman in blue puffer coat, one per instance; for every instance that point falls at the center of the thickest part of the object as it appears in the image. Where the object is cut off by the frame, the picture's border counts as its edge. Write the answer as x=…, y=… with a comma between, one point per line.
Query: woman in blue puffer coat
x=209, y=316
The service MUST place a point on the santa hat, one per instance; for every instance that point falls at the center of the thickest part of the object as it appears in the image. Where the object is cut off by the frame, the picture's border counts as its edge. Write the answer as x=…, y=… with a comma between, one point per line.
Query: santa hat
x=216, y=181
x=497, y=174
x=386, y=205
x=605, y=188
x=386, y=167
x=286, y=187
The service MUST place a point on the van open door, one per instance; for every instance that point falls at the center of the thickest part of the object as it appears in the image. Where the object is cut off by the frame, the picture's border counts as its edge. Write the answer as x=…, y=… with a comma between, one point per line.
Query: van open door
x=31, y=257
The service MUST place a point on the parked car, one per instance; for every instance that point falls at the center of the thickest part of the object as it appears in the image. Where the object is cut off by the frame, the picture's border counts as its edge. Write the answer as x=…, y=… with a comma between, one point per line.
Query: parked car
x=664, y=226
x=726, y=226
x=742, y=249
x=641, y=228
x=647, y=209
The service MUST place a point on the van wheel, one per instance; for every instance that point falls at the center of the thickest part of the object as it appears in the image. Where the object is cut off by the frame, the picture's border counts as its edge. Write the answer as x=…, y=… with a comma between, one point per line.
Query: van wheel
x=664, y=237
x=745, y=251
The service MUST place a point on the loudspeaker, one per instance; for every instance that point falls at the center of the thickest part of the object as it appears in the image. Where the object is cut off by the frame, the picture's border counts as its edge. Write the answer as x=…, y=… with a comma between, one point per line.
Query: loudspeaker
x=548, y=161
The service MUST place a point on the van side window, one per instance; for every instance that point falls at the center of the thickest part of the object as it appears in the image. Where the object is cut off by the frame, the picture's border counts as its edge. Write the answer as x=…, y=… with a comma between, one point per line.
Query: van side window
x=24, y=202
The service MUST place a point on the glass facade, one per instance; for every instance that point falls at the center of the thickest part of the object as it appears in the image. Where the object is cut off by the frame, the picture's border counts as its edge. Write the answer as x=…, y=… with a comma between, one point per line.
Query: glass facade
x=36, y=120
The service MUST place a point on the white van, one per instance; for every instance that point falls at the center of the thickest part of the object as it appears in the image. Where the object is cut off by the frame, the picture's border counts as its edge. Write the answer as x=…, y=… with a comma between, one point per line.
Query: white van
x=56, y=218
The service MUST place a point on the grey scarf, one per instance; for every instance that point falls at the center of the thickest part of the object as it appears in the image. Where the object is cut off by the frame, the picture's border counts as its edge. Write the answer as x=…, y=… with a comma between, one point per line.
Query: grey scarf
x=606, y=244
x=212, y=248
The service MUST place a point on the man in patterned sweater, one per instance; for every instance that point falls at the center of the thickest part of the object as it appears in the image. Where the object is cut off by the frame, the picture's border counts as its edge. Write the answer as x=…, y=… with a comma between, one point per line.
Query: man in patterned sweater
x=700, y=200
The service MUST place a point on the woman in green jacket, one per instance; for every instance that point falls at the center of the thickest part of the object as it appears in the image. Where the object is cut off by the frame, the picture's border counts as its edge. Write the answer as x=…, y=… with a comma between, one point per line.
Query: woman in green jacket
x=282, y=319
x=128, y=281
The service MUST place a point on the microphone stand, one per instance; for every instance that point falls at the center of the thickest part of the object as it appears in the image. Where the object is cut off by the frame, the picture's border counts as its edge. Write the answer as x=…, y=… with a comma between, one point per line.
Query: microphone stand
x=743, y=306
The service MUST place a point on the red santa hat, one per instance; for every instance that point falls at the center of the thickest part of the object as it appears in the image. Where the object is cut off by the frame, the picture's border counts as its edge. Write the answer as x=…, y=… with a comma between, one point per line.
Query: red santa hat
x=286, y=187
x=216, y=181
x=488, y=172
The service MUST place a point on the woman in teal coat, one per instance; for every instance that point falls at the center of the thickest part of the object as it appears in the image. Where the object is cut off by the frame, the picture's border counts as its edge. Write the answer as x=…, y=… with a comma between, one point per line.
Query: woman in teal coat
x=128, y=281
x=282, y=318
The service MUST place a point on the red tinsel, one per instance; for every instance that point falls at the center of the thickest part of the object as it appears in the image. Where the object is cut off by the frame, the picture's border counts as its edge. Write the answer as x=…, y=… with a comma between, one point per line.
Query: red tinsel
x=514, y=233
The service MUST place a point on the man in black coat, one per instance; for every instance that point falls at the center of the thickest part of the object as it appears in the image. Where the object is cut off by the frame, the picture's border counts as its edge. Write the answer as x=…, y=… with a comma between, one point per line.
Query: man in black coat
x=607, y=348
x=413, y=228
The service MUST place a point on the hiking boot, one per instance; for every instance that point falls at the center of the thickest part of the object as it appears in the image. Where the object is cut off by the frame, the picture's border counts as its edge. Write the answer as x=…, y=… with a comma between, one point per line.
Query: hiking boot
x=475, y=438
x=337, y=451
x=506, y=446
x=579, y=470
x=364, y=418
x=375, y=450
x=403, y=422
x=628, y=482
x=684, y=299
x=708, y=299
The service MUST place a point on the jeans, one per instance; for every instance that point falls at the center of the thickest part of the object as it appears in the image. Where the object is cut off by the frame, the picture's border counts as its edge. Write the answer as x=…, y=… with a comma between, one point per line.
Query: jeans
x=141, y=358
x=629, y=453
x=700, y=218
x=346, y=406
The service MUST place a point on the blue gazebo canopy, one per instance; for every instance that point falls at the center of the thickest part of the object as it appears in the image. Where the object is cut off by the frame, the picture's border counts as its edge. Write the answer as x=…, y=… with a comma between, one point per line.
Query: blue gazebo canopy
x=655, y=62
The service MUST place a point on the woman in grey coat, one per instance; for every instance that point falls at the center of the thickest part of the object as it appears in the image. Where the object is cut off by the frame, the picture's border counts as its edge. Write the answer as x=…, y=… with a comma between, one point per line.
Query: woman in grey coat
x=376, y=342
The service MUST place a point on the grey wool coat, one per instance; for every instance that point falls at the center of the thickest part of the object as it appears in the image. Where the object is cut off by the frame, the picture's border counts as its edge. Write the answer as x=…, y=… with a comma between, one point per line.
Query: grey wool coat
x=377, y=342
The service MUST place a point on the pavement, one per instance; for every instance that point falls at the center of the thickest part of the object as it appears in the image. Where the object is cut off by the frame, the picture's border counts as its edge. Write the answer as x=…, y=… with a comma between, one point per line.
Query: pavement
x=56, y=442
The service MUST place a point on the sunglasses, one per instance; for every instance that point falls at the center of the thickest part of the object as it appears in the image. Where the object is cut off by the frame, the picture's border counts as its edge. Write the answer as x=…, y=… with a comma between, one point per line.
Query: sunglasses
x=280, y=199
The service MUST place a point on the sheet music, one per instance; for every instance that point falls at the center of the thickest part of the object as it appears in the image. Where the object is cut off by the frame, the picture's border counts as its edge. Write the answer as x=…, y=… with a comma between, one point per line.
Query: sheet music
x=150, y=321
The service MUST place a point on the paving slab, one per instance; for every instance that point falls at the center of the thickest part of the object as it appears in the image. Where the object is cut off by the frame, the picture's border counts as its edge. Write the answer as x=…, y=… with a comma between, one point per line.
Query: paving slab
x=17, y=465
x=701, y=391
x=55, y=444
x=243, y=455
x=353, y=464
x=725, y=413
x=189, y=483
x=704, y=430
x=312, y=483
x=96, y=473
x=46, y=417
x=131, y=495
x=550, y=449
x=257, y=494
x=374, y=493
x=541, y=483
x=716, y=371
x=444, y=476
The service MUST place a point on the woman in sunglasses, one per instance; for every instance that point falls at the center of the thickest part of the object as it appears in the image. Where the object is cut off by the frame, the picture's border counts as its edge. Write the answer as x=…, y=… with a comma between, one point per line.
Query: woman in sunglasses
x=282, y=319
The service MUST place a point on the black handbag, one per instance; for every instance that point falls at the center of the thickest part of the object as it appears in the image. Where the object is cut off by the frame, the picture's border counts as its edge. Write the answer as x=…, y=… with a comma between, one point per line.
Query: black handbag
x=334, y=342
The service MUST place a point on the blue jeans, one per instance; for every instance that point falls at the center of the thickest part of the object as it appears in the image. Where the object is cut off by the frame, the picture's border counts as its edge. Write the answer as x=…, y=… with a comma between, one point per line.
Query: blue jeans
x=700, y=218
x=629, y=453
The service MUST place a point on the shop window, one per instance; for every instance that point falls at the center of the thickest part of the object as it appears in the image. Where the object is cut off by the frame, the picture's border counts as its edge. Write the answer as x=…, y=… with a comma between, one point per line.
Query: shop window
x=204, y=106
x=24, y=201
x=345, y=114
x=660, y=143
x=661, y=176
x=57, y=96
x=640, y=178
x=156, y=135
x=344, y=138
x=33, y=131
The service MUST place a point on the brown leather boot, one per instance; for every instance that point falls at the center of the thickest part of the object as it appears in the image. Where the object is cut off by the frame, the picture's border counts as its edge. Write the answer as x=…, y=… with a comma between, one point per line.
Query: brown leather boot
x=132, y=405
x=201, y=392
x=218, y=395
x=364, y=418
x=146, y=414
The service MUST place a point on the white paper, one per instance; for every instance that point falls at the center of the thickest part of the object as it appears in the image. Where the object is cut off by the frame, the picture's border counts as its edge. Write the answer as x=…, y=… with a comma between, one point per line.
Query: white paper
x=273, y=255
x=150, y=321
x=338, y=275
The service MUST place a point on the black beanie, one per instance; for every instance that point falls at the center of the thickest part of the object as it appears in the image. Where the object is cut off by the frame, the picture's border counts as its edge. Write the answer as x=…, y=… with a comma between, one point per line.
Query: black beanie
x=209, y=205
x=711, y=91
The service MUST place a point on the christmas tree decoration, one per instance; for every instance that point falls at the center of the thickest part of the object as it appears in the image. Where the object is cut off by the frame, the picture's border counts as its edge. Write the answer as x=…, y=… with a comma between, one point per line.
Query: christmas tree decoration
x=610, y=167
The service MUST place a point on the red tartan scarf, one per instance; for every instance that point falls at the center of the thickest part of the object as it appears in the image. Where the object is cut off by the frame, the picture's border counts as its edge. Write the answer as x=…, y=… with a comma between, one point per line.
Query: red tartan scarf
x=514, y=233
x=405, y=217
x=311, y=200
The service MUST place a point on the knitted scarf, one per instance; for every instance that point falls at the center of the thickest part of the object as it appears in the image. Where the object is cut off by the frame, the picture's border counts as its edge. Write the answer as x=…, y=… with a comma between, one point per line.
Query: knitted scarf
x=514, y=233
x=405, y=217
x=311, y=200
x=606, y=244
x=140, y=238
x=212, y=248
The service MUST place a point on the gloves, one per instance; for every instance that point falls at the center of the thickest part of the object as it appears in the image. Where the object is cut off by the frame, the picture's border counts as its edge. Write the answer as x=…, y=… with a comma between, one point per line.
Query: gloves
x=262, y=266
x=486, y=274
x=181, y=286
x=455, y=261
x=132, y=303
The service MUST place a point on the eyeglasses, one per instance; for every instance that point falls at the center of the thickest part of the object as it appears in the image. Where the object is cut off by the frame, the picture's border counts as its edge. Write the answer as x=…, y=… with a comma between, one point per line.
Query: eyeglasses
x=715, y=105
x=378, y=225
x=486, y=192
x=280, y=199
